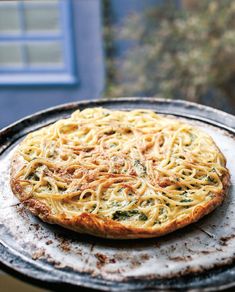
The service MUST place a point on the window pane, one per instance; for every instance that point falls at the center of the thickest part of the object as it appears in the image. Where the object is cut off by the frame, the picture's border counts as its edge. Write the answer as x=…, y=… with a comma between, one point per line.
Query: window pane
x=41, y=1
x=44, y=54
x=9, y=18
x=8, y=3
x=41, y=19
x=10, y=55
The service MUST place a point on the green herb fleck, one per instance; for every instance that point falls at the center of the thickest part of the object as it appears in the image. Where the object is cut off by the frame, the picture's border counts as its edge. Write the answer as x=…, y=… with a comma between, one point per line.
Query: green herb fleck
x=149, y=201
x=210, y=179
x=116, y=204
x=32, y=176
x=93, y=207
x=186, y=200
x=125, y=215
x=143, y=217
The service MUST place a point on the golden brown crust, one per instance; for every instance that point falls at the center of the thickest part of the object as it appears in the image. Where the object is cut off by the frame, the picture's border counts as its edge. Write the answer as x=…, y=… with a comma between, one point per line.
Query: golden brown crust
x=30, y=178
x=108, y=228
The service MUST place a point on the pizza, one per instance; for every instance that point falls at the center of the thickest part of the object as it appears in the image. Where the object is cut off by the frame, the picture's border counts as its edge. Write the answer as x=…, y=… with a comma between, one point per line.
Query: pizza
x=119, y=174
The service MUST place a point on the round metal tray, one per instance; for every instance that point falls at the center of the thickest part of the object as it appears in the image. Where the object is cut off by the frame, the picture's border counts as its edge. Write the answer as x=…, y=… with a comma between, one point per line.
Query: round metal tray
x=200, y=256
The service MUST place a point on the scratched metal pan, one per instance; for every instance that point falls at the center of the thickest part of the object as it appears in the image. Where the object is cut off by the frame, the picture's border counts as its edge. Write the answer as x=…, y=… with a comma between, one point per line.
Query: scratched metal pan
x=198, y=257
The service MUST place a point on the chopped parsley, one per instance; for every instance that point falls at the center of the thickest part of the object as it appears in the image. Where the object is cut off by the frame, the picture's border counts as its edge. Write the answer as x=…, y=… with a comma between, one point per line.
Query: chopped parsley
x=149, y=201
x=186, y=200
x=125, y=215
x=32, y=176
x=210, y=179
x=116, y=204
x=93, y=207
x=143, y=217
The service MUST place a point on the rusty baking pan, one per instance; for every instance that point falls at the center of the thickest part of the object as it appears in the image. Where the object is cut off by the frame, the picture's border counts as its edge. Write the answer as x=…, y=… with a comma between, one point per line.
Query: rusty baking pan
x=200, y=256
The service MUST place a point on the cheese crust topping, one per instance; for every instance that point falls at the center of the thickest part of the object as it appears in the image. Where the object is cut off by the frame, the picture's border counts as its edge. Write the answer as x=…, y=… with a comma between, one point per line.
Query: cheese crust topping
x=133, y=173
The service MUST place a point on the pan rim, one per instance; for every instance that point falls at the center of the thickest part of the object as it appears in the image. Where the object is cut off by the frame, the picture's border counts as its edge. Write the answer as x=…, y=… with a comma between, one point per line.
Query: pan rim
x=119, y=99
x=71, y=106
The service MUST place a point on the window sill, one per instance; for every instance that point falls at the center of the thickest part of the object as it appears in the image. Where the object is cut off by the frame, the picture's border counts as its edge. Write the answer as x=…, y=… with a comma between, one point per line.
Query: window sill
x=37, y=79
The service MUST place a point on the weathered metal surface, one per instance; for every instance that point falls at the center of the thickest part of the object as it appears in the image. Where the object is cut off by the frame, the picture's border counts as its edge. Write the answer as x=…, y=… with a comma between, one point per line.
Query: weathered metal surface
x=51, y=255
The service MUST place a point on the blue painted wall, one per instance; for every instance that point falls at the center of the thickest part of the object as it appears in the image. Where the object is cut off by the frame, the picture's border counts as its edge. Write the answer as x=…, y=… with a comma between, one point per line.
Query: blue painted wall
x=16, y=102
